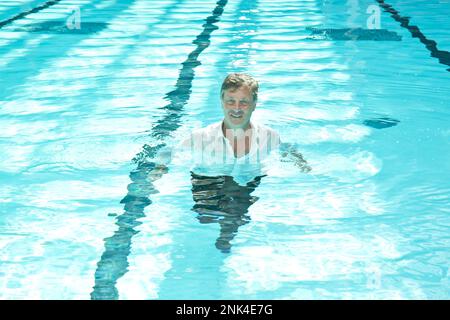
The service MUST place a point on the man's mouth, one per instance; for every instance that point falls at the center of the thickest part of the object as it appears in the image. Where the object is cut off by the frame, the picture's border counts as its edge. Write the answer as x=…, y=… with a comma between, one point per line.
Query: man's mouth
x=236, y=115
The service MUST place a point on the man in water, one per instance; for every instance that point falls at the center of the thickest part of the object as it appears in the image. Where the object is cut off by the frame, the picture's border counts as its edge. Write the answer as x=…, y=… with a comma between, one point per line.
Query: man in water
x=224, y=150
x=237, y=138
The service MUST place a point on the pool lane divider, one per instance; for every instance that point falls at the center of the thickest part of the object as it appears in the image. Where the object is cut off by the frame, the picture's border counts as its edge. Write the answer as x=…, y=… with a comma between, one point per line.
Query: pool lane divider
x=26, y=13
x=431, y=45
x=113, y=263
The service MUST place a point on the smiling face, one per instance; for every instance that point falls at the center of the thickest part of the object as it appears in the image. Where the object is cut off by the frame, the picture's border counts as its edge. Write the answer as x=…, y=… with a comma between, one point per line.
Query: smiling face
x=238, y=106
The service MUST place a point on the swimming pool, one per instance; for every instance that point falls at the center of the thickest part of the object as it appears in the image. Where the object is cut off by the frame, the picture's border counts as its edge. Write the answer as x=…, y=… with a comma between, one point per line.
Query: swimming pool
x=82, y=109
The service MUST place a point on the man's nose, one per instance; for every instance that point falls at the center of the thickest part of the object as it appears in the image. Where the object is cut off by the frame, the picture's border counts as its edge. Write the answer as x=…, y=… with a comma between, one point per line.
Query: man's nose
x=235, y=106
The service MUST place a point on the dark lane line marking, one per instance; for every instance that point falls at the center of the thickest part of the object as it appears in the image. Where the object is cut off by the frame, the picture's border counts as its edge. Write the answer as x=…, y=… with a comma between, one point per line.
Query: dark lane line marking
x=41, y=56
x=113, y=263
x=24, y=14
x=431, y=45
x=354, y=34
x=381, y=122
x=179, y=97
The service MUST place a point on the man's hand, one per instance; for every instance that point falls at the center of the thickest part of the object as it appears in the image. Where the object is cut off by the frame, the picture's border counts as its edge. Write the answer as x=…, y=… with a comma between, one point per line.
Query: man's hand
x=293, y=155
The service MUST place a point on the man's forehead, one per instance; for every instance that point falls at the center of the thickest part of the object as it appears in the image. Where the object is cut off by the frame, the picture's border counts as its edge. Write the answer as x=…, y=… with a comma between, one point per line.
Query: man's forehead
x=236, y=91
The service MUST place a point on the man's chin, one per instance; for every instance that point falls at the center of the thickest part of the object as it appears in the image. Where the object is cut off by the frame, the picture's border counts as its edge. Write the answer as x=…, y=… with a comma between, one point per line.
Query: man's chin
x=235, y=124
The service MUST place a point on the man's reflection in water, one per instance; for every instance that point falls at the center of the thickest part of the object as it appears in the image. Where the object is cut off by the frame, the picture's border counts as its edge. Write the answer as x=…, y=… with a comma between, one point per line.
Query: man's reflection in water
x=222, y=200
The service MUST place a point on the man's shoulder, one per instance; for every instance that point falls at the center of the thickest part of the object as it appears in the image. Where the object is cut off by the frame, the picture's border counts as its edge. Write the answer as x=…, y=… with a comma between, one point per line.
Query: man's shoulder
x=266, y=130
x=267, y=136
x=197, y=134
x=210, y=130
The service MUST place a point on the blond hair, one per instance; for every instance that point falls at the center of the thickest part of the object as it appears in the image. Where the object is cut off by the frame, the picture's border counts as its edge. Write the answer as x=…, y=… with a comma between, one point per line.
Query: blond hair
x=237, y=80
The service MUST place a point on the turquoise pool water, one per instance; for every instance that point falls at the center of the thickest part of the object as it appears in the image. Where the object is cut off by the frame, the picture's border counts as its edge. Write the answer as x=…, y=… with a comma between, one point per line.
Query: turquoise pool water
x=79, y=218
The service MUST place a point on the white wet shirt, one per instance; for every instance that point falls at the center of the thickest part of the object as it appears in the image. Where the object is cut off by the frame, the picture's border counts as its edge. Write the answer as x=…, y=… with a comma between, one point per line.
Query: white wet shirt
x=210, y=152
